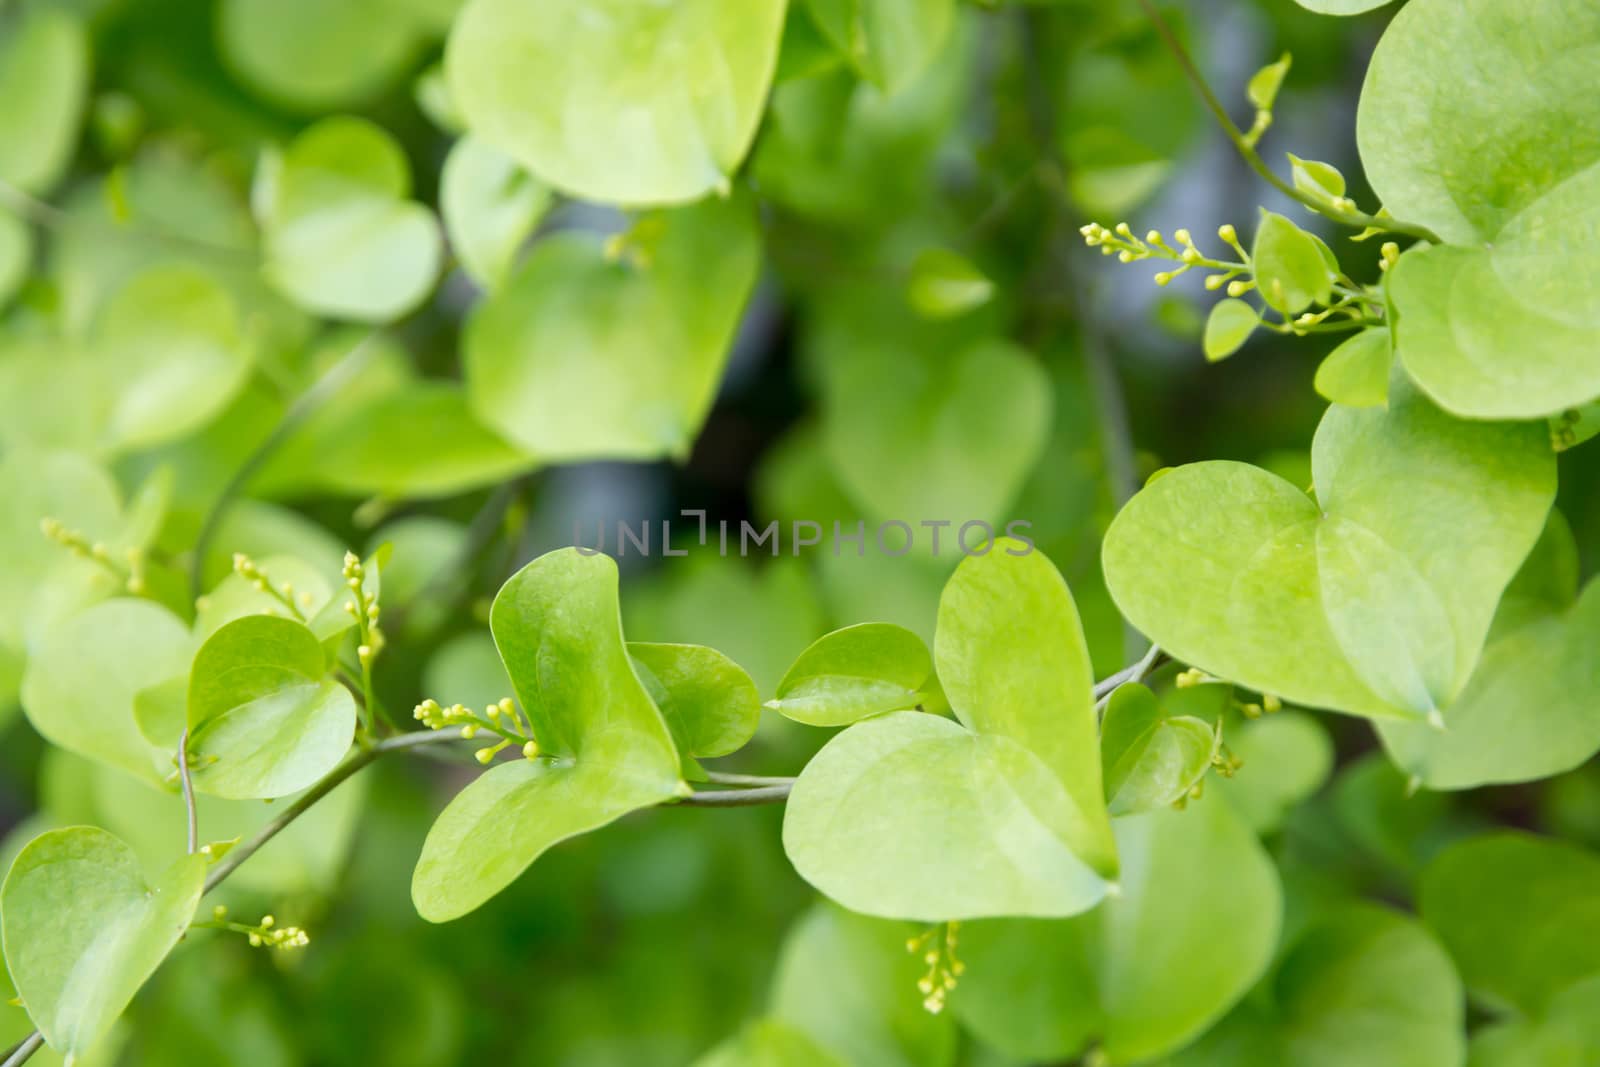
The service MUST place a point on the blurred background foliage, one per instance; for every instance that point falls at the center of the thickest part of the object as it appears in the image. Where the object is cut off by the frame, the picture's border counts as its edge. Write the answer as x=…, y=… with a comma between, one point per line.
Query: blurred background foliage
x=994, y=138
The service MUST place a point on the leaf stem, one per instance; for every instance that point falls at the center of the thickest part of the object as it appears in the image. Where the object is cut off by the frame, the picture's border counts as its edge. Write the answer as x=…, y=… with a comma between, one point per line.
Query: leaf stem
x=1133, y=673
x=24, y=1050
x=749, y=781
x=308, y=402
x=738, y=798
x=1357, y=219
x=188, y=793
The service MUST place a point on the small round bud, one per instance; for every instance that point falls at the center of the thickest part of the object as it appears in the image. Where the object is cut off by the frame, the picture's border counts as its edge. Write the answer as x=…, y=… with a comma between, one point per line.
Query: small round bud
x=530, y=750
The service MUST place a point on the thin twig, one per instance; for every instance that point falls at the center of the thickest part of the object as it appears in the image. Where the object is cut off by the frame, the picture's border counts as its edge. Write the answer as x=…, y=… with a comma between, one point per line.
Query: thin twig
x=24, y=1050
x=308, y=401
x=188, y=793
x=1136, y=672
x=738, y=798
x=1358, y=219
x=746, y=780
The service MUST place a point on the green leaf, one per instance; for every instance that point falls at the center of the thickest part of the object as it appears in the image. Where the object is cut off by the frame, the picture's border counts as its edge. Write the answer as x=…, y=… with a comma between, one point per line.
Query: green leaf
x=1228, y=327
x=1360, y=987
x=946, y=435
x=909, y=815
x=1520, y=915
x=171, y=337
x=317, y=55
x=852, y=673
x=82, y=679
x=264, y=720
x=769, y=1043
x=1262, y=89
x=944, y=285
x=1466, y=125
x=1287, y=757
x=557, y=626
x=1356, y=374
x=1149, y=759
x=1141, y=974
x=640, y=105
x=1289, y=266
x=709, y=702
x=342, y=240
x=1351, y=601
x=490, y=208
x=1321, y=180
x=1012, y=659
x=889, y=42
x=44, y=80
x=83, y=930
x=848, y=982
x=578, y=356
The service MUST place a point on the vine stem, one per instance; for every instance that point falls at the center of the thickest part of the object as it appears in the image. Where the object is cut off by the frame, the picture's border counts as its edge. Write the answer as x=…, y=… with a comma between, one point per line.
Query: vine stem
x=1358, y=219
x=324, y=387
x=739, y=798
x=1133, y=673
x=745, y=780
x=188, y=793
x=25, y=1050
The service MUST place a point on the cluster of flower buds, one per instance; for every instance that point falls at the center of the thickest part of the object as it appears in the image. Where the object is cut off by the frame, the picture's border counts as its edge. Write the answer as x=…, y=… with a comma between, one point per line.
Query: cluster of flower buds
x=364, y=609
x=938, y=947
x=297, y=602
x=264, y=934
x=1123, y=243
x=436, y=716
x=129, y=572
x=1269, y=705
x=500, y=718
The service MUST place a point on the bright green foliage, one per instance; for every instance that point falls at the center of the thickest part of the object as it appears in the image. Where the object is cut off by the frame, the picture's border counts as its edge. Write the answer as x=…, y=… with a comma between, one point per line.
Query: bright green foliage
x=1360, y=987
x=490, y=208
x=709, y=702
x=889, y=42
x=1228, y=326
x=312, y=55
x=632, y=104
x=82, y=680
x=852, y=673
x=44, y=79
x=1476, y=120
x=848, y=982
x=947, y=435
x=264, y=719
x=1150, y=759
x=1350, y=601
x=1142, y=974
x=1529, y=710
x=582, y=355
x=1519, y=915
x=1357, y=373
x=1012, y=660
x=944, y=284
x=1289, y=266
x=83, y=930
x=342, y=240
x=557, y=627
x=909, y=815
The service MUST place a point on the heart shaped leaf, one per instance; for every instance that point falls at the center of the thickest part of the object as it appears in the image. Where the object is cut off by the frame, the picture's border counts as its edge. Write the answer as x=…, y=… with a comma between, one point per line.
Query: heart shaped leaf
x=264, y=719
x=83, y=931
x=708, y=700
x=557, y=626
x=342, y=240
x=1150, y=759
x=579, y=356
x=1350, y=601
x=911, y=816
x=1467, y=124
x=490, y=208
x=852, y=673
x=628, y=105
